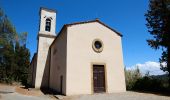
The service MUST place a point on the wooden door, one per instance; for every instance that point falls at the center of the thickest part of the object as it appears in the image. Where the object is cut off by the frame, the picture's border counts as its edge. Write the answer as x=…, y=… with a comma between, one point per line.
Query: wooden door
x=99, y=78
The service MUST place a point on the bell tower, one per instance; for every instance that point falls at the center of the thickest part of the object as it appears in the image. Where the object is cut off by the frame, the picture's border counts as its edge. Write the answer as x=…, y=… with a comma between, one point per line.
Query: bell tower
x=47, y=21
x=45, y=38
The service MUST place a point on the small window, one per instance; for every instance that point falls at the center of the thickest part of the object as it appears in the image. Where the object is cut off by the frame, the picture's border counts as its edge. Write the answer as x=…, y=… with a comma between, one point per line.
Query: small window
x=97, y=45
x=48, y=25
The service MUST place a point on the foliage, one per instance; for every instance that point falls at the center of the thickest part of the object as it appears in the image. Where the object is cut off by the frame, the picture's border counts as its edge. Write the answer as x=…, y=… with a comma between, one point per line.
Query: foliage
x=14, y=56
x=147, y=84
x=131, y=77
x=158, y=23
x=136, y=82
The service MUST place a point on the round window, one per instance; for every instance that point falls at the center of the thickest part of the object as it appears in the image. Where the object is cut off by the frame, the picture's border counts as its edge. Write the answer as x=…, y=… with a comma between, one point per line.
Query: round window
x=97, y=45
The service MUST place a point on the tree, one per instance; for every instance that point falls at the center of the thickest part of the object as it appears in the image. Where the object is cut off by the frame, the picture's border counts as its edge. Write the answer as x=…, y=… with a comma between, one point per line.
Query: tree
x=158, y=24
x=14, y=56
x=131, y=77
x=22, y=54
x=7, y=40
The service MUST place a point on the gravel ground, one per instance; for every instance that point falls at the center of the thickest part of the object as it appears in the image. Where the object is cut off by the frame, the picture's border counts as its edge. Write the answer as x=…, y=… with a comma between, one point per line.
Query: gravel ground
x=119, y=96
x=17, y=96
x=113, y=96
x=7, y=89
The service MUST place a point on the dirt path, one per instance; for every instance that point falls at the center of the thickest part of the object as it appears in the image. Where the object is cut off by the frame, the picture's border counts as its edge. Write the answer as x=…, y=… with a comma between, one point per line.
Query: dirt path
x=121, y=96
x=16, y=92
x=116, y=96
x=22, y=93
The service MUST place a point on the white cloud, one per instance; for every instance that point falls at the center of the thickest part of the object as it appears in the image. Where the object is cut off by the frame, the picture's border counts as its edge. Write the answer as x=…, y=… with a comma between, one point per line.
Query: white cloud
x=152, y=67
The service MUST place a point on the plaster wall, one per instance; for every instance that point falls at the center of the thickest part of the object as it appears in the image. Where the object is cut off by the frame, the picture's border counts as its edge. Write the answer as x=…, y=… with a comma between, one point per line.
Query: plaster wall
x=42, y=71
x=58, y=63
x=81, y=57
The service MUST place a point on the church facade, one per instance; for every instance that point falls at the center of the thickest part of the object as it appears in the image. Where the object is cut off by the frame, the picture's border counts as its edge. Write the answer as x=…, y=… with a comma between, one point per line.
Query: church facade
x=84, y=58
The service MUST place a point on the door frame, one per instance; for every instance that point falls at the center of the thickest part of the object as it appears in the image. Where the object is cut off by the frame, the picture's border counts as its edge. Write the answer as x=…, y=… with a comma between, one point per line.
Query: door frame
x=105, y=73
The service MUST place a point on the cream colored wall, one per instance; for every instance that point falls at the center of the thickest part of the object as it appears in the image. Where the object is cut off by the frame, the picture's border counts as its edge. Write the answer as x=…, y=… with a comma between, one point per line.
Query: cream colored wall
x=32, y=71
x=58, y=63
x=42, y=71
x=80, y=56
x=44, y=41
x=44, y=14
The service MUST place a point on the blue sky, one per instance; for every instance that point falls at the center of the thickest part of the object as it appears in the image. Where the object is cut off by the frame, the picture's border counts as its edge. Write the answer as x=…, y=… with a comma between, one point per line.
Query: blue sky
x=126, y=16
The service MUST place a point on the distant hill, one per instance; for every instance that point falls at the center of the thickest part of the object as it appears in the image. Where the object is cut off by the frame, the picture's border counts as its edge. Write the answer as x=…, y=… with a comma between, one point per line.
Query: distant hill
x=164, y=76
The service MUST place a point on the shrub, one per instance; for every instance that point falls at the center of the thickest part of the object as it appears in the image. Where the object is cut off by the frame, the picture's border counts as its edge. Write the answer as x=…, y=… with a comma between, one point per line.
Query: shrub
x=131, y=77
x=147, y=84
x=135, y=81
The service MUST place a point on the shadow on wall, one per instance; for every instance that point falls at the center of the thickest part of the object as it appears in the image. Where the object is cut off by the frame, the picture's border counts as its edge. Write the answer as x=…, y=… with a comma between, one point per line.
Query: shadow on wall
x=46, y=73
x=46, y=77
x=32, y=71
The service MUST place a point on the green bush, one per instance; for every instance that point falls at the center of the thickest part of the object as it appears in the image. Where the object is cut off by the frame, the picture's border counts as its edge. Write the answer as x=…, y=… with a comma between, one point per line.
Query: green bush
x=135, y=81
x=147, y=84
x=131, y=77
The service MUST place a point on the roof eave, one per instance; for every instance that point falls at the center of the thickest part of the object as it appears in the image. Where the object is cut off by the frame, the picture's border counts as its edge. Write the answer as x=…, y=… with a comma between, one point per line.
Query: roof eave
x=96, y=20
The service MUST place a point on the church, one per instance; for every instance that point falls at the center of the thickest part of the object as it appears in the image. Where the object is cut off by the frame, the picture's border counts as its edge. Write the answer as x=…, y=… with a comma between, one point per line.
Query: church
x=83, y=58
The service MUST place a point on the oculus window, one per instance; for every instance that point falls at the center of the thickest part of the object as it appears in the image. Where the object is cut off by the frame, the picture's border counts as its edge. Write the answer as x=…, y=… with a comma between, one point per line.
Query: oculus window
x=97, y=45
